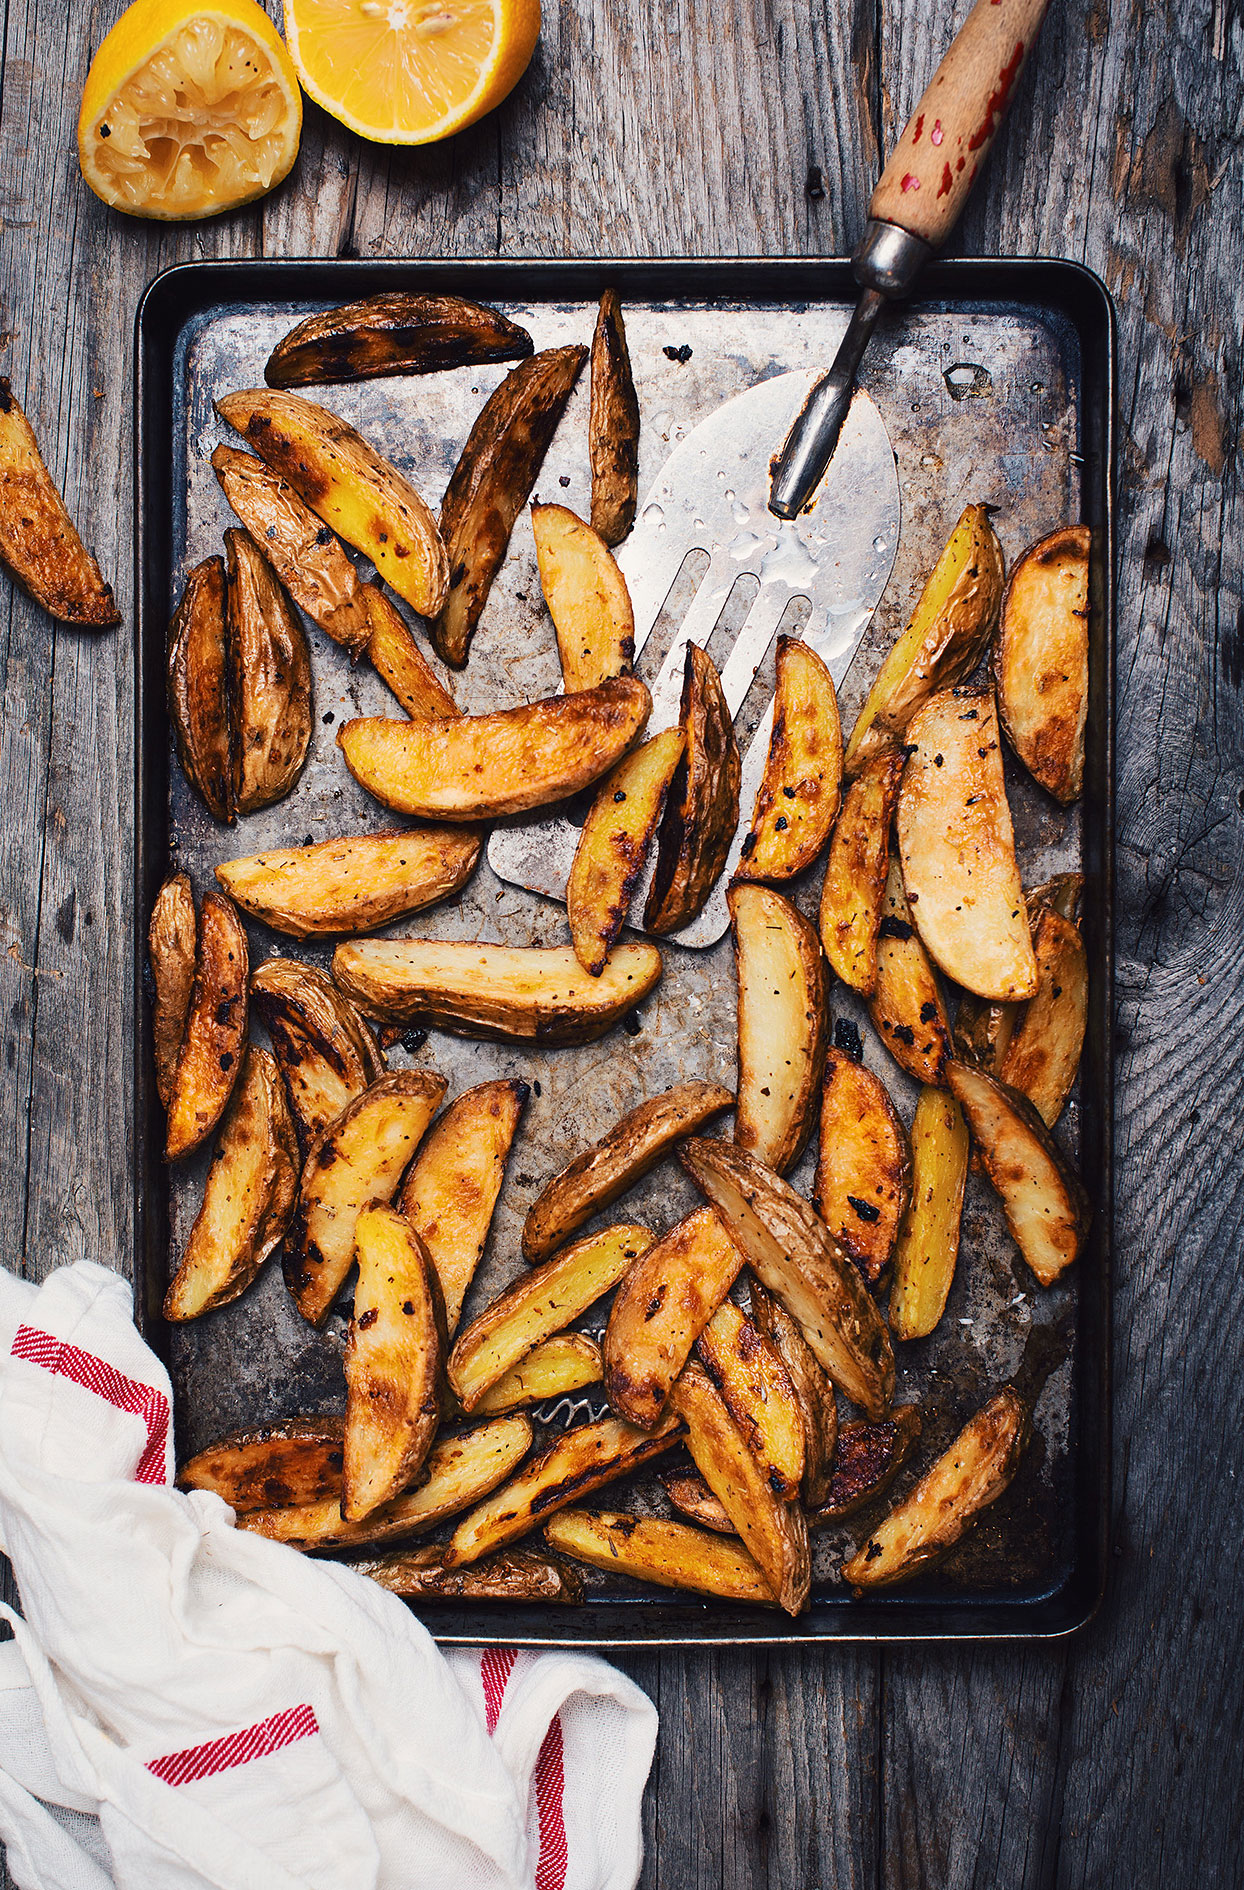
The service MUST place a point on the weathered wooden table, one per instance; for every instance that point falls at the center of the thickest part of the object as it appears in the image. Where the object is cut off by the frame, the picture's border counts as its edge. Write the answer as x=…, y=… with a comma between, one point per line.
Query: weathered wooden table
x=756, y=128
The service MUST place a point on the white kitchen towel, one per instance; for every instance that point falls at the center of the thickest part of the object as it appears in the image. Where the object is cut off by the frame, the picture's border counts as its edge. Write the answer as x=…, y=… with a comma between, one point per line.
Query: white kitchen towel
x=185, y=1704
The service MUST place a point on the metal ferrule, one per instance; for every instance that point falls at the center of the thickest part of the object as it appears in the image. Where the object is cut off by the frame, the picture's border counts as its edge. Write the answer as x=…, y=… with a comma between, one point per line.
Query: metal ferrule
x=889, y=259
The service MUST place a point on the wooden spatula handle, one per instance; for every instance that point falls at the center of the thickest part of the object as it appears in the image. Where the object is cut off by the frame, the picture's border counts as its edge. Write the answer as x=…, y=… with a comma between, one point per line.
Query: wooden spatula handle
x=924, y=186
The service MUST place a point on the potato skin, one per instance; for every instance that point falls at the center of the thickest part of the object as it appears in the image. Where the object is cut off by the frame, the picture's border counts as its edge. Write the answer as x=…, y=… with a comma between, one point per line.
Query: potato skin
x=613, y=846
x=1040, y=660
x=853, y=892
x=394, y=1363
x=398, y=660
x=863, y=1174
x=1043, y=1199
x=613, y=425
x=269, y=679
x=295, y=1460
x=395, y=333
x=660, y=1309
x=172, y=936
x=215, y=1037
x=702, y=807
x=586, y=596
x=797, y=801
x=198, y=688
x=669, y=1554
x=869, y=1458
x=754, y=1385
x=812, y=1388
x=39, y=543
x=783, y=1024
x=907, y=1006
x=351, y=885
x=518, y=1575
x=1042, y=1054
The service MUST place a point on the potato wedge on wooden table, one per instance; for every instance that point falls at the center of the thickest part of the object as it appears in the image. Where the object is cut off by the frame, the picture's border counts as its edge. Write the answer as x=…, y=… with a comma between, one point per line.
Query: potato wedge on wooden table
x=554, y=1368
x=269, y=679
x=783, y=1024
x=613, y=425
x=1043, y=1199
x=1042, y=1053
x=326, y=1052
x=817, y=1401
x=907, y=1006
x=869, y=1458
x=660, y=1310
x=702, y=806
x=398, y=660
x=294, y=1460
x=1040, y=660
x=756, y=1389
x=853, y=891
x=393, y=333
x=452, y=1186
x=863, y=1170
x=798, y=798
x=39, y=542
x=198, y=688
x=691, y=1496
x=587, y=598
x=212, y=1047
x=613, y=845
x=394, y=1363
x=518, y=1576
x=354, y=884
x=172, y=937
x=668, y=1554
x=928, y=1240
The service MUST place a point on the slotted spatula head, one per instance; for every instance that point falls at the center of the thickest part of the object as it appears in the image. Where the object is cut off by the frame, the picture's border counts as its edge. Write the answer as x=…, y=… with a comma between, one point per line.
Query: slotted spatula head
x=713, y=496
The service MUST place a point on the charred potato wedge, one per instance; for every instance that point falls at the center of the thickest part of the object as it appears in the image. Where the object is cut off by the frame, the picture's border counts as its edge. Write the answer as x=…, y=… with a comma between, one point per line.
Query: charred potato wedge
x=702, y=806
x=813, y=1389
x=476, y=767
x=863, y=1170
x=797, y=801
x=351, y=885
x=587, y=598
x=400, y=663
x=357, y=1162
x=949, y=1497
x=452, y=1187
x=324, y=1048
x=348, y=484
x=394, y=1363
x=853, y=892
x=516, y=993
x=1042, y=1054
x=907, y=1006
x=1040, y=660
x=172, y=936
x=613, y=425
x=869, y=1458
x=945, y=640
x=198, y=688
x=668, y=1554
x=215, y=1036
x=556, y=1367
x=660, y=1310
x=519, y=1576
x=295, y=1460
x=613, y=846
x=1042, y=1198
x=596, y=1178
x=269, y=680
x=690, y=1496
x=783, y=1024
x=793, y=1255
x=39, y=542
x=928, y=1241
x=396, y=333
x=756, y=1390
x=491, y=484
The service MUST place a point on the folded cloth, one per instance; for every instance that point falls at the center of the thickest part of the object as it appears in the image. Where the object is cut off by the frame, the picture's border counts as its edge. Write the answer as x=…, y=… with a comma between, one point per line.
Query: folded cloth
x=185, y=1704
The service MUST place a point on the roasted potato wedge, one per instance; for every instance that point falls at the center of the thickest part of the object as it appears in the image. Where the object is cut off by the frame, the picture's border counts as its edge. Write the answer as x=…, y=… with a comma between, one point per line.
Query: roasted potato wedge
x=354, y=884
x=950, y=627
x=773, y=1530
x=172, y=937
x=1042, y=1054
x=783, y=1026
x=792, y=1253
x=269, y=679
x=756, y=1390
x=395, y=333
x=248, y=1198
x=303, y=552
x=949, y=1497
x=357, y=1161
x=400, y=663
x=800, y=790
x=595, y=1179
x=957, y=848
x=853, y=892
x=325, y=1050
x=613, y=845
x=587, y=598
x=983, y=1029
x=540, y=1303
x=348, y=484
x=394, y=1363
x=475, y=767
x=520, y=993
x=452, y=1187
x=1040, y=660
x=39, y=542
x=295, y=1460
x=458, y=1472
x=554, y=1368
x=215, y=1036
x=928, y=1240
x=667, y=1554
x=815, y=1393
x=660, y=1310
x=907, y=1006
x=613, y=425
x=1046, y=1207
x=863, y=1170
x=869, y=1458
x=198, y=688
x=691, y=1496
x=575, y=1464
x=491, y=484
x=702, y=806
x=519, y=1576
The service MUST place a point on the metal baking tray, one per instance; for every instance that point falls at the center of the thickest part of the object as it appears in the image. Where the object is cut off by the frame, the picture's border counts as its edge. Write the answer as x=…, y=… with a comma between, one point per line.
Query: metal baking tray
x=996, y=384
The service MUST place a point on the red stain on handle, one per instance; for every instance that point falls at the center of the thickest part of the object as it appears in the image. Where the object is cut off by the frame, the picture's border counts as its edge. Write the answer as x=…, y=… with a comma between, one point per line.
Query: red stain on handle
x=910, y=181
x=917, y=129
x=995, y=105
x=947, y=184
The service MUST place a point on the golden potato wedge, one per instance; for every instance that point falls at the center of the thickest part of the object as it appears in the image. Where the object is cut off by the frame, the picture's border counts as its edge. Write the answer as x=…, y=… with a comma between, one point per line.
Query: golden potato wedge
x=792, y=1253
x=357, y=1162
x=394, y=1363
x=348, y=484
x=39, y=542
x=539, y=1304
x=452, y=1187
x=983, y=1029
x=660, y=1310
x=519, y=1576
x=957, y=848
x=491, y=484
x=198, y=688
x=475, y=767
x=1043, y=1052
x=870, y=1456
x=756, y=1390
x=354, y=884
x=928, y=1241
x=774, y=1531
x=215, y=1036
x=172, y=937
x=613, y=425
x=303, y=552
x=783, y=1026
x=863, y=1170
x=613, y=845
x=691, y=1496
x=325, y=1050
x=596, y=1178
x=853, y=893
x=248, y=1198
x=950, y=627
x=702, y=806
x=575, y=1464
x=1040, y=660
x=269, y=679
x=458, y=1472
x=907, y=1006
x=398, y=660
x=520, y=993
x=587, y=598
x=395, y=333
x=554, y=1368
x=1046, y=1207
x=949, y=1497
x=667, y=1554
x=800, y=790
x=295, y=1460
x=815, y=1393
